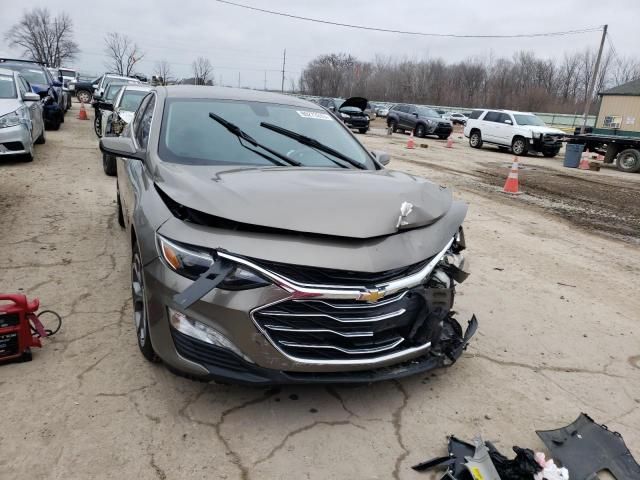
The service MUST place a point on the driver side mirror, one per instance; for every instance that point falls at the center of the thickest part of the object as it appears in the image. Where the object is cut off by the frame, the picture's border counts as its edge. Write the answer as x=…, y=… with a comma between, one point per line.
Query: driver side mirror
x=383, y=158
x=30, y=97
x=105, y=106
x=508, y=121
x=415, y=114
x=121, y=147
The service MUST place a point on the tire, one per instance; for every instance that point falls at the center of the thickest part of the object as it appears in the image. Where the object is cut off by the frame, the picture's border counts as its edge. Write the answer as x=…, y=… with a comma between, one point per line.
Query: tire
x=109, y=164
x=41, y=139
x=139, y=297
x=120, y=214
x=443, y=137
x=629, y=160
x=394, y=125
x=363, y=130
x=519, y=146
x=68, y=102
x=53, y=125
x=97, y=124
x=27, y=157
x=475, y=139
x=84, y=96
x=420, y=131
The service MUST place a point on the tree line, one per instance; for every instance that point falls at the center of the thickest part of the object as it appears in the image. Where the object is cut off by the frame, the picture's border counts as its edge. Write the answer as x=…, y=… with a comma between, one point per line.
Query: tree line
x=522, y=82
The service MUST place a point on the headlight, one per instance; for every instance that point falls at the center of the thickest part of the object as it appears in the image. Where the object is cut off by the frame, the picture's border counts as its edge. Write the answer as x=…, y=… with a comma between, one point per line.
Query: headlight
x=10, y=119
x=191, y=262
x=429, y=122
x=344, y=115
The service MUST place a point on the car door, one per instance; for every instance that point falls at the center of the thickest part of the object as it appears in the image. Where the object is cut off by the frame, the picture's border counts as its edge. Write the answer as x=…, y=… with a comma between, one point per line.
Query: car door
x=488, y=128
x=411, y=117
x=504, y=129
x=402, y=116
x=34, y=109
x=129, y=170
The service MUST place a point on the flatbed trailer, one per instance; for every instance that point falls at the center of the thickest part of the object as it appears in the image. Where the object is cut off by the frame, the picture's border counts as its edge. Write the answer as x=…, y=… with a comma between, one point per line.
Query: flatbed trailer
x=626, y=150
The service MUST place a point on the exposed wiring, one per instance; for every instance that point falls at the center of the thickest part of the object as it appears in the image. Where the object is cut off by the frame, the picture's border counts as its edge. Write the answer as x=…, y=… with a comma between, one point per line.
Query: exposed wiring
x=404, y=32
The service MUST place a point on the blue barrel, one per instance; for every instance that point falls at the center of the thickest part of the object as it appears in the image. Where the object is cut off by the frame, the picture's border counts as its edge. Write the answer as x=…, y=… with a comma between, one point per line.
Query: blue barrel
x=572, y=154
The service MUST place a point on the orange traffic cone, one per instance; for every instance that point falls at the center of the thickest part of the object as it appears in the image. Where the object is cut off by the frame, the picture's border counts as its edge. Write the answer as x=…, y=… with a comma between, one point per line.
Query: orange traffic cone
x=584, y=162
x=411, y=142
x=511, y=185
x=450, y=142
x=82, y=115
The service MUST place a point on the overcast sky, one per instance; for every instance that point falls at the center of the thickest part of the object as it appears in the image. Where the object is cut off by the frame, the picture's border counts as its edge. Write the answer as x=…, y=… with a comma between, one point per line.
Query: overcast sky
x=240, y=41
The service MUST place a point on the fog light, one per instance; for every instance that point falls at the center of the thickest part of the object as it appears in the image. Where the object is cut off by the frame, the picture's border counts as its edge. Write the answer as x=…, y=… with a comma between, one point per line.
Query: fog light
x=202, y=332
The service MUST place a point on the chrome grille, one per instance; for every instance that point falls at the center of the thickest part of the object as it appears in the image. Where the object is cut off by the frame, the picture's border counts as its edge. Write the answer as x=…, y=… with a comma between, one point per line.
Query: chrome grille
x=339, y=329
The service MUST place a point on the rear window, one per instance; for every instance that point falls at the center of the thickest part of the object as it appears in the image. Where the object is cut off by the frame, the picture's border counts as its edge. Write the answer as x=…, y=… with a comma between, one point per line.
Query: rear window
x=475, y=114
x=7, y=87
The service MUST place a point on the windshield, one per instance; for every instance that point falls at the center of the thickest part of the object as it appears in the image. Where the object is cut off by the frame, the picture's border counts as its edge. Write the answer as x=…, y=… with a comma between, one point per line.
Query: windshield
x=427, y=112
x=131, y=100
x=31, y=73
x=112, y=91
x=7, y=87
x=528, y=120
x=189, y=136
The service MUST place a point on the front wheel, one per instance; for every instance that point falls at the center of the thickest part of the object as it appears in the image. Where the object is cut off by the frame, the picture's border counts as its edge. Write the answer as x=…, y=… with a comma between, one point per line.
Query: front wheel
x=140, y=316
x=629, y=160
x=420, y=131
x=475, y=139
x=363, y=130
x=393, y=125
x=443, y=137
x=41, y=139
x=97, y=124
x=109, y=164
x=519, y=146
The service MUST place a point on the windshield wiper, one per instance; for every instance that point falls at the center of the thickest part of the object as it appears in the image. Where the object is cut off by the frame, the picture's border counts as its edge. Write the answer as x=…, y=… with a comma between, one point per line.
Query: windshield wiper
x=311, y=142
x=242, y=135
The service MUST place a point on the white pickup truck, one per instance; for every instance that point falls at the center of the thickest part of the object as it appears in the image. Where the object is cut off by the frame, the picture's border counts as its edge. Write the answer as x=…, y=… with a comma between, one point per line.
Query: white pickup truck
x=519, y=131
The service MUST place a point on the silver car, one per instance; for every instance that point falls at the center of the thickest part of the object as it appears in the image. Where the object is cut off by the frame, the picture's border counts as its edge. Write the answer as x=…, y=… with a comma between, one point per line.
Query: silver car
x=268, y=246
x=21, y=123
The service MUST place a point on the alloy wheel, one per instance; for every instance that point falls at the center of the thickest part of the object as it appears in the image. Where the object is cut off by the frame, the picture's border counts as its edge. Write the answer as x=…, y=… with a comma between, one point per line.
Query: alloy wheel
x=139, y=299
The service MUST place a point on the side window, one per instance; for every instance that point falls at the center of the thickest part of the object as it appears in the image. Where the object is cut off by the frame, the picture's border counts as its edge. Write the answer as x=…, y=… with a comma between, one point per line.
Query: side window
x=143, y=123
x=492, y=117
x=402, y=108
x=22, y=86
x=411, y=109
x=475, y=114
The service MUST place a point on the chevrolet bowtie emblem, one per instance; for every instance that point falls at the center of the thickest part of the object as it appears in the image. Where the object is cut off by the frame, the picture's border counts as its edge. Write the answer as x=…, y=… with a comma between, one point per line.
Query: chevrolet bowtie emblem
x=405, y=210
x=372, y=296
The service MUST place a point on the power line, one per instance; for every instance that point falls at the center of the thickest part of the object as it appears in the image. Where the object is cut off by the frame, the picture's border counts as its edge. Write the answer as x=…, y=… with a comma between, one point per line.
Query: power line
x=404, y=32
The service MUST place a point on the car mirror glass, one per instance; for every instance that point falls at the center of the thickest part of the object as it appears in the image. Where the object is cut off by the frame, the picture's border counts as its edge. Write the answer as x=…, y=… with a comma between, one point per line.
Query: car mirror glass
x=120, y=147
x=383, y=158
x=30, y=97
x=508, y=121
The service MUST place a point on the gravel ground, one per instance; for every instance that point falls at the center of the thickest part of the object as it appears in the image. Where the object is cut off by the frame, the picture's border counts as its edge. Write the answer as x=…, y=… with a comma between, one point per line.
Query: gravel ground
x=558, y=336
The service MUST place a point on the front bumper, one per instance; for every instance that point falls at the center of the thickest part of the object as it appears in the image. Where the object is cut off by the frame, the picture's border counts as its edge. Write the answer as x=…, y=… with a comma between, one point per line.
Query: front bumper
x=261, y=334
x=15, y=140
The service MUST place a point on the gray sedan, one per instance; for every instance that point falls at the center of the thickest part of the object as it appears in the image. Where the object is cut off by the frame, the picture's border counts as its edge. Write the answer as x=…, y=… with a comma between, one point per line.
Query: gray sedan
x=268, y=246
x=21, y=123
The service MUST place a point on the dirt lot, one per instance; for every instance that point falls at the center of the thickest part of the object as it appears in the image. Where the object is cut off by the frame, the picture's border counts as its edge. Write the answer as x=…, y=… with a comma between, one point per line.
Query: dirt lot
x=556, y=299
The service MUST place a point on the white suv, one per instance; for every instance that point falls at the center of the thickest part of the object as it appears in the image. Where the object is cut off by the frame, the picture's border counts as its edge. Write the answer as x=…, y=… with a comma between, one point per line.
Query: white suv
x=519, y=131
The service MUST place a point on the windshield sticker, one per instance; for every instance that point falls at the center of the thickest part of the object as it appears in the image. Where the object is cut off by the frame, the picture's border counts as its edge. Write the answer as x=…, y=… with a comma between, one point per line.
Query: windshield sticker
x=314, y=115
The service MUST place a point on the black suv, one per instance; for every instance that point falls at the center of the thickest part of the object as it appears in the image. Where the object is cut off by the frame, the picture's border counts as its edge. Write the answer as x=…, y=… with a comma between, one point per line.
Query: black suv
x=422, y=121
x=350, y=111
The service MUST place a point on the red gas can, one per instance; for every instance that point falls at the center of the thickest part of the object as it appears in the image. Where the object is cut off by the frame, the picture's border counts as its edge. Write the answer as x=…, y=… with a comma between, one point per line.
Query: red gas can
x=16, y=339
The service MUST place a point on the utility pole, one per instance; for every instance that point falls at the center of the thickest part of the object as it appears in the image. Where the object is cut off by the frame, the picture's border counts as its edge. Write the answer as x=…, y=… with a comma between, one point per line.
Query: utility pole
x=594, y=79
x=284, y=61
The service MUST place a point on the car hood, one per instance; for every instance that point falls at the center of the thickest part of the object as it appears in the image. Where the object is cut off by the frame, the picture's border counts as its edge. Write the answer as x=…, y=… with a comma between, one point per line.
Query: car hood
x=544, y=130
x=357, y=102
x=8, y=105
x=326, y=201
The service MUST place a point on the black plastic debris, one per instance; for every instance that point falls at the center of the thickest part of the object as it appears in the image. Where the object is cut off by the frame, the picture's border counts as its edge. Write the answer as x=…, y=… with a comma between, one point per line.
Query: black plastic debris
x=454, y=463
x=586, y=448
x=521, y=467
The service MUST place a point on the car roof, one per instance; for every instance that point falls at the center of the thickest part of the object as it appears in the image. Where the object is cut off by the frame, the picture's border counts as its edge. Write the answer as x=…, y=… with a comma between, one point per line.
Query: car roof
x=227, y=93
x=504, y=111
x=138, y=88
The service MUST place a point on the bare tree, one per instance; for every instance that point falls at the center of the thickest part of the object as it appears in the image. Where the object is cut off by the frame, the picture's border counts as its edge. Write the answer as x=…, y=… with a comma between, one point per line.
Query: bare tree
x=202, y=71
x=122, y=53
x=44, y=38
x=163, y=72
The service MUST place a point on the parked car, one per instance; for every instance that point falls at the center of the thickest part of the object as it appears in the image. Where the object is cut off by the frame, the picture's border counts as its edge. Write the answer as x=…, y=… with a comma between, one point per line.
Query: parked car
x=519, y=131
x=21, y=122
x=456, y=118
x=351, y=111
x=108, y=78
x=269, y=246
x=421, y=120
x=370, y=111
x=382, y=111
x=106, y=99
x=117, y=115
x=84, y=87
x=42, y=83
x=66, y=93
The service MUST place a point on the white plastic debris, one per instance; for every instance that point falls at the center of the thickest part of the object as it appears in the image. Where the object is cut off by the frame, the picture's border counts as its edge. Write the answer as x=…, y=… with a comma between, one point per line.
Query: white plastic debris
x=550, y=471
